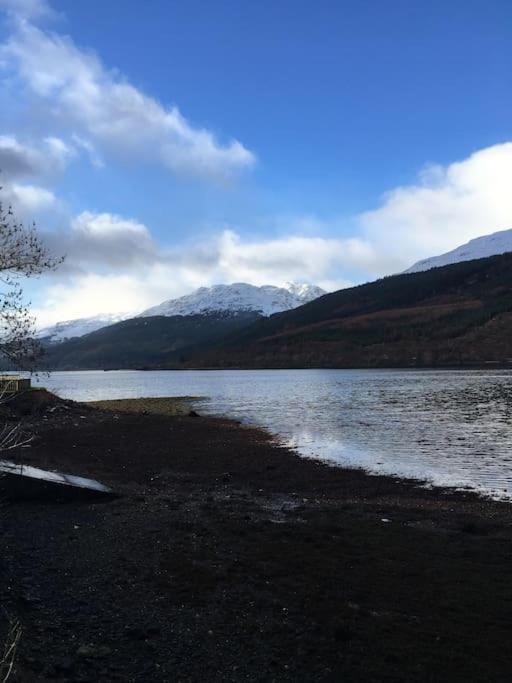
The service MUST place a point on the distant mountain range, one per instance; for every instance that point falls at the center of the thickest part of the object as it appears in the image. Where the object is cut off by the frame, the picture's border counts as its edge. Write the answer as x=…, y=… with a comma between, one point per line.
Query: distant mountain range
x=235, y=298
x=450, y=310
x=480, y=247
x=166, y=335
x=451, y=316
x=267, y=299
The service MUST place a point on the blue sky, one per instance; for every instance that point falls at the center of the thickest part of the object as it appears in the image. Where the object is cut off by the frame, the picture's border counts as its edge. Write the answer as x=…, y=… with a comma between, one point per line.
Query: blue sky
x=165, y=145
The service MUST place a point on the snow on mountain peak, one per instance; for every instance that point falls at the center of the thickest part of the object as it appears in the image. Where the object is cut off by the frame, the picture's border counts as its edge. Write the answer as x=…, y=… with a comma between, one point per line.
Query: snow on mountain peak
x=480, y=247
x=67, y=329
x=234, y=298
x=304, y=291
x=237, y=297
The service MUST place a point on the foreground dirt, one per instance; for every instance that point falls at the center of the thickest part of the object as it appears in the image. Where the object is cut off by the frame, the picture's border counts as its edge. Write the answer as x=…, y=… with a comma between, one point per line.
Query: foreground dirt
x=228, y=558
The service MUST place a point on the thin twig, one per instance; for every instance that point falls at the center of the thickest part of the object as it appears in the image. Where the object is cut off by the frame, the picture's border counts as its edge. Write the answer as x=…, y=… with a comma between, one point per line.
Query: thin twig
x=10, y=648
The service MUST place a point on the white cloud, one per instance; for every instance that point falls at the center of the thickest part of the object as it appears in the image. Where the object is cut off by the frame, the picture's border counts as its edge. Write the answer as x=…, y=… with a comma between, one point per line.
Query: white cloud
x=23, y=162
x=27, y=9
x=102, y=242
x=90, y=295
x=112, y=239
x=21, y=159
x=89, y=148
x=448, y=206
x=140, y=275
x=276, y=261
x=29, y=200
x=75, y=87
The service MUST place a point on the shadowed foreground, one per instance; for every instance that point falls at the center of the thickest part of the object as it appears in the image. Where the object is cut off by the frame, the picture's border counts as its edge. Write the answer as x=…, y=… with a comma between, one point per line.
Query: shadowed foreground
x=228, y=558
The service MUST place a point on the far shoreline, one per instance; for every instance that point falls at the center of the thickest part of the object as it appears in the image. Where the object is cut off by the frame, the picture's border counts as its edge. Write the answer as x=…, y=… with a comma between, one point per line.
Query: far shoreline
x=490, y=365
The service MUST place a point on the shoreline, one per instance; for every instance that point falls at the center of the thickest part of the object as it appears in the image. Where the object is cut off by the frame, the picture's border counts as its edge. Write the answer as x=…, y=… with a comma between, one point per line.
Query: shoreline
x=182, y=405
x=228, y=556
x=484, y=365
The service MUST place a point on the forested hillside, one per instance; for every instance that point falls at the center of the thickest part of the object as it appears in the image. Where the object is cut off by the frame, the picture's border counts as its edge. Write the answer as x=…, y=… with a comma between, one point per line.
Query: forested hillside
x=155, y=342
x=456, y=315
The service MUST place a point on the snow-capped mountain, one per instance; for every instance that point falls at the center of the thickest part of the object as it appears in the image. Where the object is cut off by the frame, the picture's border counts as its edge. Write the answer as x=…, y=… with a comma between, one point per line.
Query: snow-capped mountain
x=480, y=247
x=77, y=328
x=226, y=298
x=240, y=296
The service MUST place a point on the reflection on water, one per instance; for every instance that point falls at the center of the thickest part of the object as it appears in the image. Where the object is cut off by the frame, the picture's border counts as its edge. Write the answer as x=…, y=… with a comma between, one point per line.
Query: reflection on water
x=450, y=427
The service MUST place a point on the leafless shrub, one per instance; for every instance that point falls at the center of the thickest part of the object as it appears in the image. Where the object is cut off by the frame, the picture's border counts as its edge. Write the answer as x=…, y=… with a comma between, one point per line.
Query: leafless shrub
x=22, y=255
x=13, y=436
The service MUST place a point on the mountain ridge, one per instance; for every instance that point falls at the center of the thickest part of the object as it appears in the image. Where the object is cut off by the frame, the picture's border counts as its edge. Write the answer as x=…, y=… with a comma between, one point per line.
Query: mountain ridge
x=456, y=315
x=235, y=298
x=238, y=296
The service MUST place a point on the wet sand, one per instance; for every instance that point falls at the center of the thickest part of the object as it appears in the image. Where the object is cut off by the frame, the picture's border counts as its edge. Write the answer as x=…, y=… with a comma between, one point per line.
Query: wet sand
x=226, y=557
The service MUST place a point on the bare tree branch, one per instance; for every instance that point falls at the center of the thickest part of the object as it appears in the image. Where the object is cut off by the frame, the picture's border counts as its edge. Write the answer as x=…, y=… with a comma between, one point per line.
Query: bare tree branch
x=22, y=255
x=10, y=647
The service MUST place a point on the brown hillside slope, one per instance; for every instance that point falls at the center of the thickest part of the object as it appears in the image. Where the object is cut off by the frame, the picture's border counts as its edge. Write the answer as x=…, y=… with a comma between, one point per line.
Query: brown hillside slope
x=456, y=315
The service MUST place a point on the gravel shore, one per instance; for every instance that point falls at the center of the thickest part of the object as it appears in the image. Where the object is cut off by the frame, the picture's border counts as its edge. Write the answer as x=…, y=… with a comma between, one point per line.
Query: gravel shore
x=226, y=557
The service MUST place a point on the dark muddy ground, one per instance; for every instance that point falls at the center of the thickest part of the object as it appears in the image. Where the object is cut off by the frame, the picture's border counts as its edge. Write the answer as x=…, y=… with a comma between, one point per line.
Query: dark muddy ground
x=228, y=558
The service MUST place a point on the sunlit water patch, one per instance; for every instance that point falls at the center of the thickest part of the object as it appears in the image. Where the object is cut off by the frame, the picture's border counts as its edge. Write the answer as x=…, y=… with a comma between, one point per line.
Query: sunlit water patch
x=448, y=427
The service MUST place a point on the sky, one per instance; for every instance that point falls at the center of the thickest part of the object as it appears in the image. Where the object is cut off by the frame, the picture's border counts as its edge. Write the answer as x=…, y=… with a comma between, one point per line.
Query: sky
x=162, y=146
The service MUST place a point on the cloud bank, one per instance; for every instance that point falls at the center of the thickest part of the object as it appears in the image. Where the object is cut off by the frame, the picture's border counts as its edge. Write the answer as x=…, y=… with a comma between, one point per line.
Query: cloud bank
x=115, y=264
x=446, y=207
x=75, y=89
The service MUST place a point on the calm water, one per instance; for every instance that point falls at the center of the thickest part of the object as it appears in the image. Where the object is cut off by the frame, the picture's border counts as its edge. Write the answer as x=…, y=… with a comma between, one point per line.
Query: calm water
x=449, y=427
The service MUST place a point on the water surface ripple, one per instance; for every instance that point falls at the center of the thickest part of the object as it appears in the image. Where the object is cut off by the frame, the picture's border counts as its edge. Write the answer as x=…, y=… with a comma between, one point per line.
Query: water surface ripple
x=448, y=427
